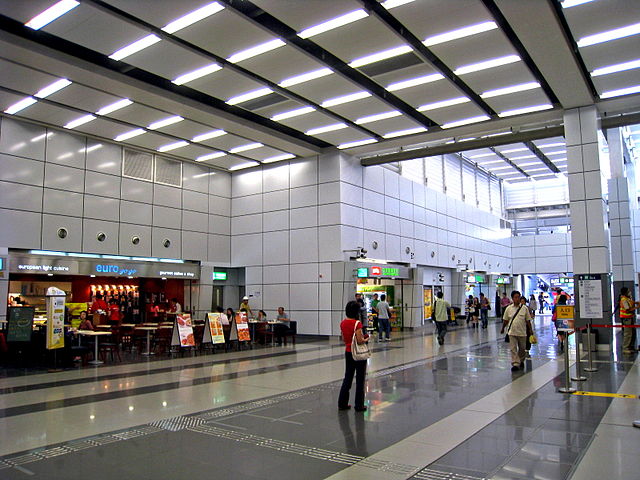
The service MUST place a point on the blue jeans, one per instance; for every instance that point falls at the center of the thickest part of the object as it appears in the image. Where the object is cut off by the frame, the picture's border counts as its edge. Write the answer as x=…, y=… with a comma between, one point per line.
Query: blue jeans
x=384, y=325
x=484, y=317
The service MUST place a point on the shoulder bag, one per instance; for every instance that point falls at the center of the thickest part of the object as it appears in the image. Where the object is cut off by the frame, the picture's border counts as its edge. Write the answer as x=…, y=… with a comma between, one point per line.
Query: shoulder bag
x=506, y=337
x=359, y=351
x=433, y=311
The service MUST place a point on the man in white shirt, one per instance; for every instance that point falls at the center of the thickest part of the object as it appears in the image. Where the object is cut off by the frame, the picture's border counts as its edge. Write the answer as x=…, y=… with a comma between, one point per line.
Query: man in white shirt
x=441, y=308
x=516, y=319
x=384, y=314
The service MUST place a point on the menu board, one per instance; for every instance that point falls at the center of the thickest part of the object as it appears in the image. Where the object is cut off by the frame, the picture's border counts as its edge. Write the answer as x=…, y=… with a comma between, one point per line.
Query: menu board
x=185, y=330
x=215, y=332
x=55, y=318
x=20, y=324
x=428, y=304
x=590, y=298
x=243, y=327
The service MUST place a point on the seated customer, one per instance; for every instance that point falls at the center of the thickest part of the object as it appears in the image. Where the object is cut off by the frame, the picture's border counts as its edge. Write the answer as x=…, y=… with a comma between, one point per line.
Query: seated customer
x=85, y=322
x=262, y=316
x=283, y=325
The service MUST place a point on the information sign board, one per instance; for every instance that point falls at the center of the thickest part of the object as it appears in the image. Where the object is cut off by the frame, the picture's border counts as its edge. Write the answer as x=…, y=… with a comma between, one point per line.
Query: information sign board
x=564, y=311
x=590, y=298
x=20, y=324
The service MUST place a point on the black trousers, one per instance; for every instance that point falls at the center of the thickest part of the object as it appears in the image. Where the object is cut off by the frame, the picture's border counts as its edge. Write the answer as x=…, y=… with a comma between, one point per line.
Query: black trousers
x=360, y=369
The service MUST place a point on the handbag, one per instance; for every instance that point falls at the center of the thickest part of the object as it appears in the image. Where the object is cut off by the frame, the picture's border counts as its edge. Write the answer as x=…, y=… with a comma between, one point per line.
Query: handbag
x=359, y=351
x=533, y=339
x=506, y=337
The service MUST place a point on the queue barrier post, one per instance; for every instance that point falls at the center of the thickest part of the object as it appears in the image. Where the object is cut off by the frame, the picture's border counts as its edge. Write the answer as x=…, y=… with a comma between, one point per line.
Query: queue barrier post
x=590, y=368
x=579, y=377
x=567, y=377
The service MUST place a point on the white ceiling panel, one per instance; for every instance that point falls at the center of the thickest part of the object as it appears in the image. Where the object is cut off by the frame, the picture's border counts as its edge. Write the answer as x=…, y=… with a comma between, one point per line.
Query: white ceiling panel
x=159, y=12
x=617, y=81
x=7, y=99
x=282, y=63
x=404, y=74
x=167, y=60
x=102, y=127
x=95, y=29
x=361, y=108
x=308, y=121
x=518, y=100
x=190, y=151
x=47, y=113
x=84, y=98
x=454, y=113
x=149, y=140
x=225, y=34
x=224, y=84
x=188, y=129
x=301, y=15
x=549, y=141
x=227, y=142
x=284, y=106
x=24, y=11
x=228, y=161
x=324, y=88
x=611, y=53
x=492, y=78
x=601, y=16
x=391, y=125
x=476, y=48
x=139, y=115
x=429, y=93
x=341, y=136
x=23, y=79
x=262, y=153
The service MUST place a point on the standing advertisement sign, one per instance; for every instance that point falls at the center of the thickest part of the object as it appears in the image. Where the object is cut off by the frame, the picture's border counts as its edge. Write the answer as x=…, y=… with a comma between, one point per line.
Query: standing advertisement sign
x=55, y=318
x=183, y=331
x=243, y=327
x=213, y=329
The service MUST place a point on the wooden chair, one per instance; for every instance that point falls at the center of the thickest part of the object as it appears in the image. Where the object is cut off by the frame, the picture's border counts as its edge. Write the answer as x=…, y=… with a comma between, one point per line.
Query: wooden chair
x=162, y=340
x=111, y=347
x=263, y=332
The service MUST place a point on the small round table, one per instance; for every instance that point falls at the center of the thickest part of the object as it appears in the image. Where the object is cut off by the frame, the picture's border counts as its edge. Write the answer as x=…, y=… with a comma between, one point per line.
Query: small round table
x=149, y=330
x=91, y=333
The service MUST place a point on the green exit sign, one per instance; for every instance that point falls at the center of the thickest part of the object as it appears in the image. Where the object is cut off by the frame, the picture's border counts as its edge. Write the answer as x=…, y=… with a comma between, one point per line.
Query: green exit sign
x=390, y=271
x=219, y=275
x=363, y=272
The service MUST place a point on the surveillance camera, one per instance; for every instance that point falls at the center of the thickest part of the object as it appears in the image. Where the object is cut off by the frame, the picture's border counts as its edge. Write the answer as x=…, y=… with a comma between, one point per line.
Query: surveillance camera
x=363, y=251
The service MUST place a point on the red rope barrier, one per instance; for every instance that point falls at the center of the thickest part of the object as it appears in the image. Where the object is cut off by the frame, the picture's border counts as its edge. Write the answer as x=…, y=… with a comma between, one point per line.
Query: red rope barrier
x=616, y=325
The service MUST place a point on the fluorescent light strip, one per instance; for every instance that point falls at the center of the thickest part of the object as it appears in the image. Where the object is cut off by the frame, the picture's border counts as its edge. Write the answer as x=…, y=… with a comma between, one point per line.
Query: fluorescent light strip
x=243, y=166
x=506, y=167
x=389, y=4
x=377, y=117
x=514, y=150
x=610, y=35
x=210, y=156
x=165, y=122
x=620, y=67
x=482, y=155
x=620, y=92
x=443, y=103
x=193, y=17
x=552, y=145
x=292, y=113
x=21, y=105
x=135, y=47
x=494, y=62
x=53, y=88
x=376, y=57
x=345, y=19
x=255, y=51
x=244, y=148
x=542, y=175
x=305, y=77
x=414, y=82
x=80, y=121
x=574, y=3
x=173, y=146
x=466, y=121
x=520, y=111
x=208, y=135
x=52, y=13
x=513, y=89
x=536, y=169
x=332, y=102
x=400, y=133
x=523, y=157
x=357, y=143
x=127, y=135
x=326, y=128
x=125, y=102
x=528, y=164
x=277, y=158
x=460, y=33
x=245, y=97
x=559, y=152
x=195, y=74
x=508, y=174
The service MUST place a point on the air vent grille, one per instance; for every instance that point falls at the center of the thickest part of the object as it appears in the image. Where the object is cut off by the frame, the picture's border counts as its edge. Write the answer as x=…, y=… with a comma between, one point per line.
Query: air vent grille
x=168, y=172
x=137, y=165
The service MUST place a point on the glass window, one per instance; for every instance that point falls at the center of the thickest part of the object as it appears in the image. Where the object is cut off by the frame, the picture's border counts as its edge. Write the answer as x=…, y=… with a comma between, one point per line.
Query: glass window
x=453, y=176
x=496, y=196
x=469, y=184
x=482, y=190
x=413, y=170
x=433, y=173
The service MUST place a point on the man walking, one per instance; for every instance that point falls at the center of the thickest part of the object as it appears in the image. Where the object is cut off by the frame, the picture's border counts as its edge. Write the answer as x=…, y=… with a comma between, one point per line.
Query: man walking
x=384, y=314
x=441, y=308
x=627, y=317
x=484, y=310
x=517, y=322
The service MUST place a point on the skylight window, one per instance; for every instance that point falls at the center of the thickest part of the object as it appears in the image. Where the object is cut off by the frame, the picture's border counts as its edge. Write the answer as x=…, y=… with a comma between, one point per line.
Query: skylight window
x=130, y=134
x=520, y=111
x=193, y=17
x=414, y=82
x=326, y=128
x=245, y=97
x=357, y=143
x=466, y=121
x=620, y=92
x=376, y=57
x=80, y=121
x=609, y=35
x=345, y=99
x=242, y=166
x=210, y=156
x=400, y=133
x=443, y=103
x=244, y=148
x=52, y=13
x=173, y=146
x=53, y=88
x=378, y=117
x=292, y=113
x=21, y=105
x=513, y=89
x=278, y=158
x=305, y=77
x=135, y=47
x=494, y=62
x=165, y=122
x=195, y=74
x=460, y=33
x=125, y=102
x=333, y=23
x=255, y=51
x=208, y=135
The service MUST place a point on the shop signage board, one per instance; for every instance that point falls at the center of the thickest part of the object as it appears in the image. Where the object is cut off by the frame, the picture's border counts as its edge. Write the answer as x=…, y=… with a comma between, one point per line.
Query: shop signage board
x=213, y=329
x=382, y=271
x=183, y=331
x=363, y=272
x=503, y=280
x=590, y=298
x=20, y=324
x=243, y=327
x=475, y=278
x=219, y=275
x=55, y=318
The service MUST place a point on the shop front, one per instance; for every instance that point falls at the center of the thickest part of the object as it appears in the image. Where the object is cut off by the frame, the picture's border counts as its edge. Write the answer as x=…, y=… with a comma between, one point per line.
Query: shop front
x=383, y=279
x=133, y=289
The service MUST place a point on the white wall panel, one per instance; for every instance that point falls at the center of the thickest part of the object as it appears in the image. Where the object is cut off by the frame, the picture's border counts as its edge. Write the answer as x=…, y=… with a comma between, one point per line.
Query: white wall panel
x=195, y=221
x=220, y=184
x=350, y=194
x=102, y=208
x=22, y=139
x=247, y=182
x=158, y=237
x=167, y=217
x=61, y=202
x=90, y=231
x=304, y=217
x=303, y=172
x=99, y=184
x=196, y=177
x=50, y=239
x=66, y=149
x=329, y=245
x=136, y=213
x=194, y=246
x=106, y=159
x=219, y=205
x=127, y=232
x=25, y=231
x=135, y=190
x=304, y=296
x=272, y=221
x=273, y=274
x=304, y=245
x=167, y=196
x=303, y=273
x=195, y=201
x=219, y=249
x=21, y=170
x=304, y=196
x=329, y=214
x=247, y=250
x=20, y=196
x=373, y=178
x=276, y=248
x=65, y=178
x=246, y=205
x=275, y=177
x=246, y=224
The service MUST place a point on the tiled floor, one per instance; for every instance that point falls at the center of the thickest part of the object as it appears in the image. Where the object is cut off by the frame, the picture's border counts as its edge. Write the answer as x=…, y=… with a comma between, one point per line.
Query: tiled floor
x=435, y=412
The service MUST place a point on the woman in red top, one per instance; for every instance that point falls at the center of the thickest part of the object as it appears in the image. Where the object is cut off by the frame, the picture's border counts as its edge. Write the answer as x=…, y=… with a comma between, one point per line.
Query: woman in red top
x=98, y=304
x=348, y=326
x=114, y=313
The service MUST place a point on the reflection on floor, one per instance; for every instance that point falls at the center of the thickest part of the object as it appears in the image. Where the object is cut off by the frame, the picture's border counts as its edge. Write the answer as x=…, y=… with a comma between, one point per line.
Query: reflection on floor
x=435, y=412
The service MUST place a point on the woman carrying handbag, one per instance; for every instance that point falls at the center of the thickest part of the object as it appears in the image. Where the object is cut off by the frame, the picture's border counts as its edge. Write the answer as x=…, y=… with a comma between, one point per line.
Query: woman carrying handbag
x=353, y=338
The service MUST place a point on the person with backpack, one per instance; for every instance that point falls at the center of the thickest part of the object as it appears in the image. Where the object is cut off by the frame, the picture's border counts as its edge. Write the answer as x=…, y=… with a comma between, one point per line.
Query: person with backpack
x=351, y=327
x=441, y=314
x=516, y=320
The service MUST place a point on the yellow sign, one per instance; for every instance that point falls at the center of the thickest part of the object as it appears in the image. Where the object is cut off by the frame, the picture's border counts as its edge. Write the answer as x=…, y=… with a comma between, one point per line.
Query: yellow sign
x=55, y=318
x=564, y=312
x=604, y=394
x=428, y=303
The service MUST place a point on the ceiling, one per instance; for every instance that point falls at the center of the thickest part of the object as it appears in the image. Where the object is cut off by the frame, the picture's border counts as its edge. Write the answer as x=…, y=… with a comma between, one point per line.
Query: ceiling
x=269, y=80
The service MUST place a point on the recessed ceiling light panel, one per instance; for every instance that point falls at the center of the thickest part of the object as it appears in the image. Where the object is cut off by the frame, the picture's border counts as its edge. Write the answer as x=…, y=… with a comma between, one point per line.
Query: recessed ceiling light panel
x=332, y=102
x=193, y=17
x=610, y=35
x=208, y=135
x=173, y=146
x=357, y=143
x=129, y=134
x=50, y=14
x=210, y=156
x=135, y=47
x=245, y=97
x=494, y=62
x=305, y=77
x=414, y=82
x=460, y=33
x=21, y=105
x=53, y=88
x=195, y=74
x=333, y=23
x=255, y=51
x=376, y=57
x=292, y=113
x=80, y=121
x=165, y=122
x=326, y=128
x=125, y=102
x=244, y=148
